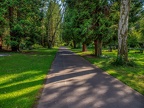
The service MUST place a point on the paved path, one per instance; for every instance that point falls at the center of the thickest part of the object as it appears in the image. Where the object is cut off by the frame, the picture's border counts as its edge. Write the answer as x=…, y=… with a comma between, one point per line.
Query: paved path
x=75, y=83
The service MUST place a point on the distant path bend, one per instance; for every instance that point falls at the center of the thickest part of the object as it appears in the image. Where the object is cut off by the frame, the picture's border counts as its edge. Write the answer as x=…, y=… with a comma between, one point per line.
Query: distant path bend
x=75, y=83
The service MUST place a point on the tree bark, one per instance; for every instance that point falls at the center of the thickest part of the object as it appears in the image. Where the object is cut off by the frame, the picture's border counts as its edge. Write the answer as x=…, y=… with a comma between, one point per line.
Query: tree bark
x=84, y=47
x=42, y=41
x=110, y=48
x=11, y=24
x=74, y=44
x=98, y=47
x=0, y=43
x=123, y=30
x=49, y=44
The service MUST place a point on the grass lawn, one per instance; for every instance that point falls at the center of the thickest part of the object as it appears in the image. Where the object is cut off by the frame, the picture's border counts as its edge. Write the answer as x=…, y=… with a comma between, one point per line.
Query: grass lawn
x=132, y=76
x=22, y=76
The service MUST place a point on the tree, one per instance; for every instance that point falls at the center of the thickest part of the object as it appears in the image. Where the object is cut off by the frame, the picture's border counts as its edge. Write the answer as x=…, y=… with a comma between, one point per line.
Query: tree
x=52, y=22
x=141, y=31
x=2, y=22
x=89, y=24
x=24, y=19
x=100, y=24
x=123, y=30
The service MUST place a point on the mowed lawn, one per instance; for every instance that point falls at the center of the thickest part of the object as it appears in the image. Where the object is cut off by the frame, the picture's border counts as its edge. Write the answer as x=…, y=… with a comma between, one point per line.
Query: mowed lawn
x=132, y=76
x=22, y=76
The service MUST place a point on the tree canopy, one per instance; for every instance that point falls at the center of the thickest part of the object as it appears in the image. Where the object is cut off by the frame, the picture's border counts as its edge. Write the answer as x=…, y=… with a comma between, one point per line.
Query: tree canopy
x=73, y=22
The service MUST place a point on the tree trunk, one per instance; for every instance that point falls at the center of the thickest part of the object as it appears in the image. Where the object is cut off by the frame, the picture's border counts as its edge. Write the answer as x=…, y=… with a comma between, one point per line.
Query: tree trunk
x=84, y=47
x=74, y=44
x=11, y=19
x=49, y=44
x=123, y=30
x=42, y=41
x=98, y=47
x=14, y=47
x=110, y=48
x=0, y=43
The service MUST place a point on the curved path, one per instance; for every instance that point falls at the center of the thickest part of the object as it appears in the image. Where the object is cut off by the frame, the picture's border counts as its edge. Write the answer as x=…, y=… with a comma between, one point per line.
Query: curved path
x=75, y=83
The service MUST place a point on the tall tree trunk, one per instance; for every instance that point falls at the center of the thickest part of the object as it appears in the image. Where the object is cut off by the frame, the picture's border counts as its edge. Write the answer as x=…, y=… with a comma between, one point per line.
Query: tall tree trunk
x=84, y=47
x=98, y=47
x=11, y=19
x=110, y=48
x=74, y=44
x=49, y=44
x=11, y=23
x=0, y=43
x=42, y=41
x=14, y=47
x=123, y=30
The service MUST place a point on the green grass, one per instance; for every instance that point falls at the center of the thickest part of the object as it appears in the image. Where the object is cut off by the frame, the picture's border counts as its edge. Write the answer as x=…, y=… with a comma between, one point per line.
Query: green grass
x=132, y=76
x=22, y=76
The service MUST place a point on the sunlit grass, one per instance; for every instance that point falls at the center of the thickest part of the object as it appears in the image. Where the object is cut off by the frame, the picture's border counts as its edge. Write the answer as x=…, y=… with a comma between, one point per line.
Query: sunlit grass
x=132, y=76
x=22, y=76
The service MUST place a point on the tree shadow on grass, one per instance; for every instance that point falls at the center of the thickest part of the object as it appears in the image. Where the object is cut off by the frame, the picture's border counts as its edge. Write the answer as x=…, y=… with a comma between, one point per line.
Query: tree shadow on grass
x=21, y=87
x=22, y=78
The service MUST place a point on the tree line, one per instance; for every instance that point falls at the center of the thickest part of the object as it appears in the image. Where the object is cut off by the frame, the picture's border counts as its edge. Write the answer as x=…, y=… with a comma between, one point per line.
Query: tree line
x=104, y=23
x=98, y=23
x=24, y=23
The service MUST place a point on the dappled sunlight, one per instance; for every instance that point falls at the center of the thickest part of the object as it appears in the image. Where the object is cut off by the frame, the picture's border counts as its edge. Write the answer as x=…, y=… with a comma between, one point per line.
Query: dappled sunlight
x=74, y=83
x=75, y=74
x=19, y=92
x=132, y=76
x=78, y=93
x=7, y=78
x=16, y=79
x=22, y=76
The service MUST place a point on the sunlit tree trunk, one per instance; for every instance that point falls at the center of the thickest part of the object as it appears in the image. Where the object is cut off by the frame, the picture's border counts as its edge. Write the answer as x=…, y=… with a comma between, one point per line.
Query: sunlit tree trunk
x=123, y=30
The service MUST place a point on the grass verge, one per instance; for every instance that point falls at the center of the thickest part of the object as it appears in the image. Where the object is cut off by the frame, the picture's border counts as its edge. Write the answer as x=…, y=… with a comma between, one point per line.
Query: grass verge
x=22, y=76
x=132, y=76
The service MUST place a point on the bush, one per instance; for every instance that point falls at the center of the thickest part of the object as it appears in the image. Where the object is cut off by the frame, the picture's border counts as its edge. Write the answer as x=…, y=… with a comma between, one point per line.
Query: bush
x=36, y=46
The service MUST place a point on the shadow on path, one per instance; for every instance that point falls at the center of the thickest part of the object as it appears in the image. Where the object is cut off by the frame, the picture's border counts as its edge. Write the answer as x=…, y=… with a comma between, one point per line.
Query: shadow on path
x=75, y=83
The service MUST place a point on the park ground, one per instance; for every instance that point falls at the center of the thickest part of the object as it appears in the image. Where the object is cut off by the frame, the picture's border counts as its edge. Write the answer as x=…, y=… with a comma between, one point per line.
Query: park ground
x=132, y=76
x=22, y=74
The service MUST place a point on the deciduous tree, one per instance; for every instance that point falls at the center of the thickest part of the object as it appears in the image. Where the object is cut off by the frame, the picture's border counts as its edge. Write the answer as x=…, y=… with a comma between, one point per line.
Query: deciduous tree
x=123, y=30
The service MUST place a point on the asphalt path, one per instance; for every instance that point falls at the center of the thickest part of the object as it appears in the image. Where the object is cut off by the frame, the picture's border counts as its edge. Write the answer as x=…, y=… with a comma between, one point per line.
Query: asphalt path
x=74, y=83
